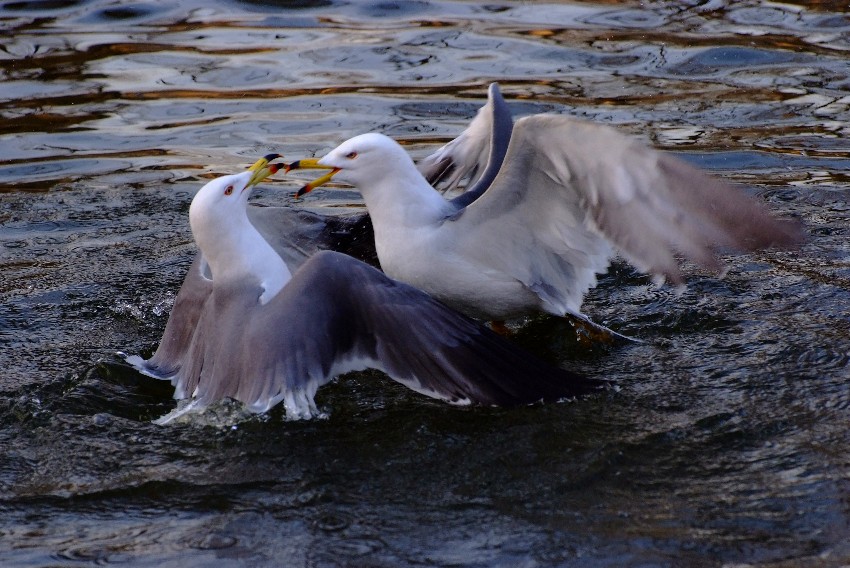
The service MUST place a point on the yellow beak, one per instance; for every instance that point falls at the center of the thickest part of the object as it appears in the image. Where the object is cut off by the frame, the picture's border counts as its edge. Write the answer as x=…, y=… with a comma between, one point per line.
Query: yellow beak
x=312, y=164
x=262, y=169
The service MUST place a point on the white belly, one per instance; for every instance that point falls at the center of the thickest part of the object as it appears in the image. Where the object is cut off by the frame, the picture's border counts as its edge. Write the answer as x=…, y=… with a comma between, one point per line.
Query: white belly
x=475, y=290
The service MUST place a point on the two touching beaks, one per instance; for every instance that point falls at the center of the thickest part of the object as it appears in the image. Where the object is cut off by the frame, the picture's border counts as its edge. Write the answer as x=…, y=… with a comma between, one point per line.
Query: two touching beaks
x=264, y=167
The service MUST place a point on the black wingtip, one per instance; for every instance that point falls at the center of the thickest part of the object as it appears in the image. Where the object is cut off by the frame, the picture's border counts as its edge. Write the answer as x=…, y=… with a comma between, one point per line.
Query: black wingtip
x=494, y=92
x=551, y=384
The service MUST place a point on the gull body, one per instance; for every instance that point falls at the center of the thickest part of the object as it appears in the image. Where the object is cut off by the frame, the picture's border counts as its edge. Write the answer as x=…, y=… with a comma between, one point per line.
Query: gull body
x=418, y=242
x=248, y=326
x=567, y=197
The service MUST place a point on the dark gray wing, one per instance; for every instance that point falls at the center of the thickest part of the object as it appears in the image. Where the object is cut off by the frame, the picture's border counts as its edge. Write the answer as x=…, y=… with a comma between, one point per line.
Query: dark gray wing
x=570, y=191
x=338, y=314
x=297, y=234
x=431, y=348
x=477, y=153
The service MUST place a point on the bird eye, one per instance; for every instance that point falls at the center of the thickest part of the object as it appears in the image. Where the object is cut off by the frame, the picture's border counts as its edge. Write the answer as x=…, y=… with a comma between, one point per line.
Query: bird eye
x=228, y=190
x=351, y=155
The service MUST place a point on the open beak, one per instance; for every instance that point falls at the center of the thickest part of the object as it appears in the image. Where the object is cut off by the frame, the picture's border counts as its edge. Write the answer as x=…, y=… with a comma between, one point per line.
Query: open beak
x=263, y=169
x=312, y=164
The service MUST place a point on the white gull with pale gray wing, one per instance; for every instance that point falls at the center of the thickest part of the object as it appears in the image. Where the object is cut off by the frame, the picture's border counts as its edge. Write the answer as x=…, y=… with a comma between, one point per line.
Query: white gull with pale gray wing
x=568, y=195
x=245, y=326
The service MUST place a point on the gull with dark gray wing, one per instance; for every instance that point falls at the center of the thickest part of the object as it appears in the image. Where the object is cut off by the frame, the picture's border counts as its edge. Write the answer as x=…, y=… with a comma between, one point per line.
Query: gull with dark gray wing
x=568, y=196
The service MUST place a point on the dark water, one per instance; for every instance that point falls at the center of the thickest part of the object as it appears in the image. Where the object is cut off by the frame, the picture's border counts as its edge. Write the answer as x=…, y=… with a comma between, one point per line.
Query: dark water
x=727, y=443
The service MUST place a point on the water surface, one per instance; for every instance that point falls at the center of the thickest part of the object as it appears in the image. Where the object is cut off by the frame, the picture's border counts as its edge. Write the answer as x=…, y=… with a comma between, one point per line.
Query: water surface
x=726, y=442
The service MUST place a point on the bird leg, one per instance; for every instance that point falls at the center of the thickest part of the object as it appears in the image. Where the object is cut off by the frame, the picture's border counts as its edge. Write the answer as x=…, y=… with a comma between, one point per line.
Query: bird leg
x=589, y=333
x=499, y=327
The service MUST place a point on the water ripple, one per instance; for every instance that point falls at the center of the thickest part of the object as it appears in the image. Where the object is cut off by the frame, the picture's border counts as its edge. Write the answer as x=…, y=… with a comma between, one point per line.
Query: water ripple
x=724, y=441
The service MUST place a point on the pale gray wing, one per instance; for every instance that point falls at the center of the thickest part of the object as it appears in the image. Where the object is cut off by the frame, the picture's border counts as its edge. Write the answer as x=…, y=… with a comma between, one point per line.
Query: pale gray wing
x=569, y=191
x=182, y=323
x=338, y=315
x=295, y=234
x=476, y=154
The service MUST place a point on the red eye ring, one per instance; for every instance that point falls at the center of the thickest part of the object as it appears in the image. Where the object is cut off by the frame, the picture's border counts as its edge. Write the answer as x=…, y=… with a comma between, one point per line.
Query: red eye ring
x=351, y=155
x=228, y=190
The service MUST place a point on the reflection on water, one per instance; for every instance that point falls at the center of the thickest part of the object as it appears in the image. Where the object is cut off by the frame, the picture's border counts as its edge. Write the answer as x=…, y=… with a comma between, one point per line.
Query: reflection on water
x=726, y=442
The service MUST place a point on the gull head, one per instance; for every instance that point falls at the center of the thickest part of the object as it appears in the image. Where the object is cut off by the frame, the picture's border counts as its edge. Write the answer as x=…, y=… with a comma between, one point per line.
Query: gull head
x=218, y=214
x=221, y=198
x=360, y=161
x=232, y=247
x=220, y=201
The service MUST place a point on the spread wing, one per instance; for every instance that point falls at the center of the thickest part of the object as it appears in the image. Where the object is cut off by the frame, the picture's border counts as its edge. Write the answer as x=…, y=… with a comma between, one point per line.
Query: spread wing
x=338, y=315
x=477, y=153
x=181, y=325
x=295, y=234
x=571, y=192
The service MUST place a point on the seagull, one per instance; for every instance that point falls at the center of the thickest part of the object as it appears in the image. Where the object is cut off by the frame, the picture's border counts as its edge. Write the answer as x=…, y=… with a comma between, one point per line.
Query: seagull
x=246, y=326
x=568, y=195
